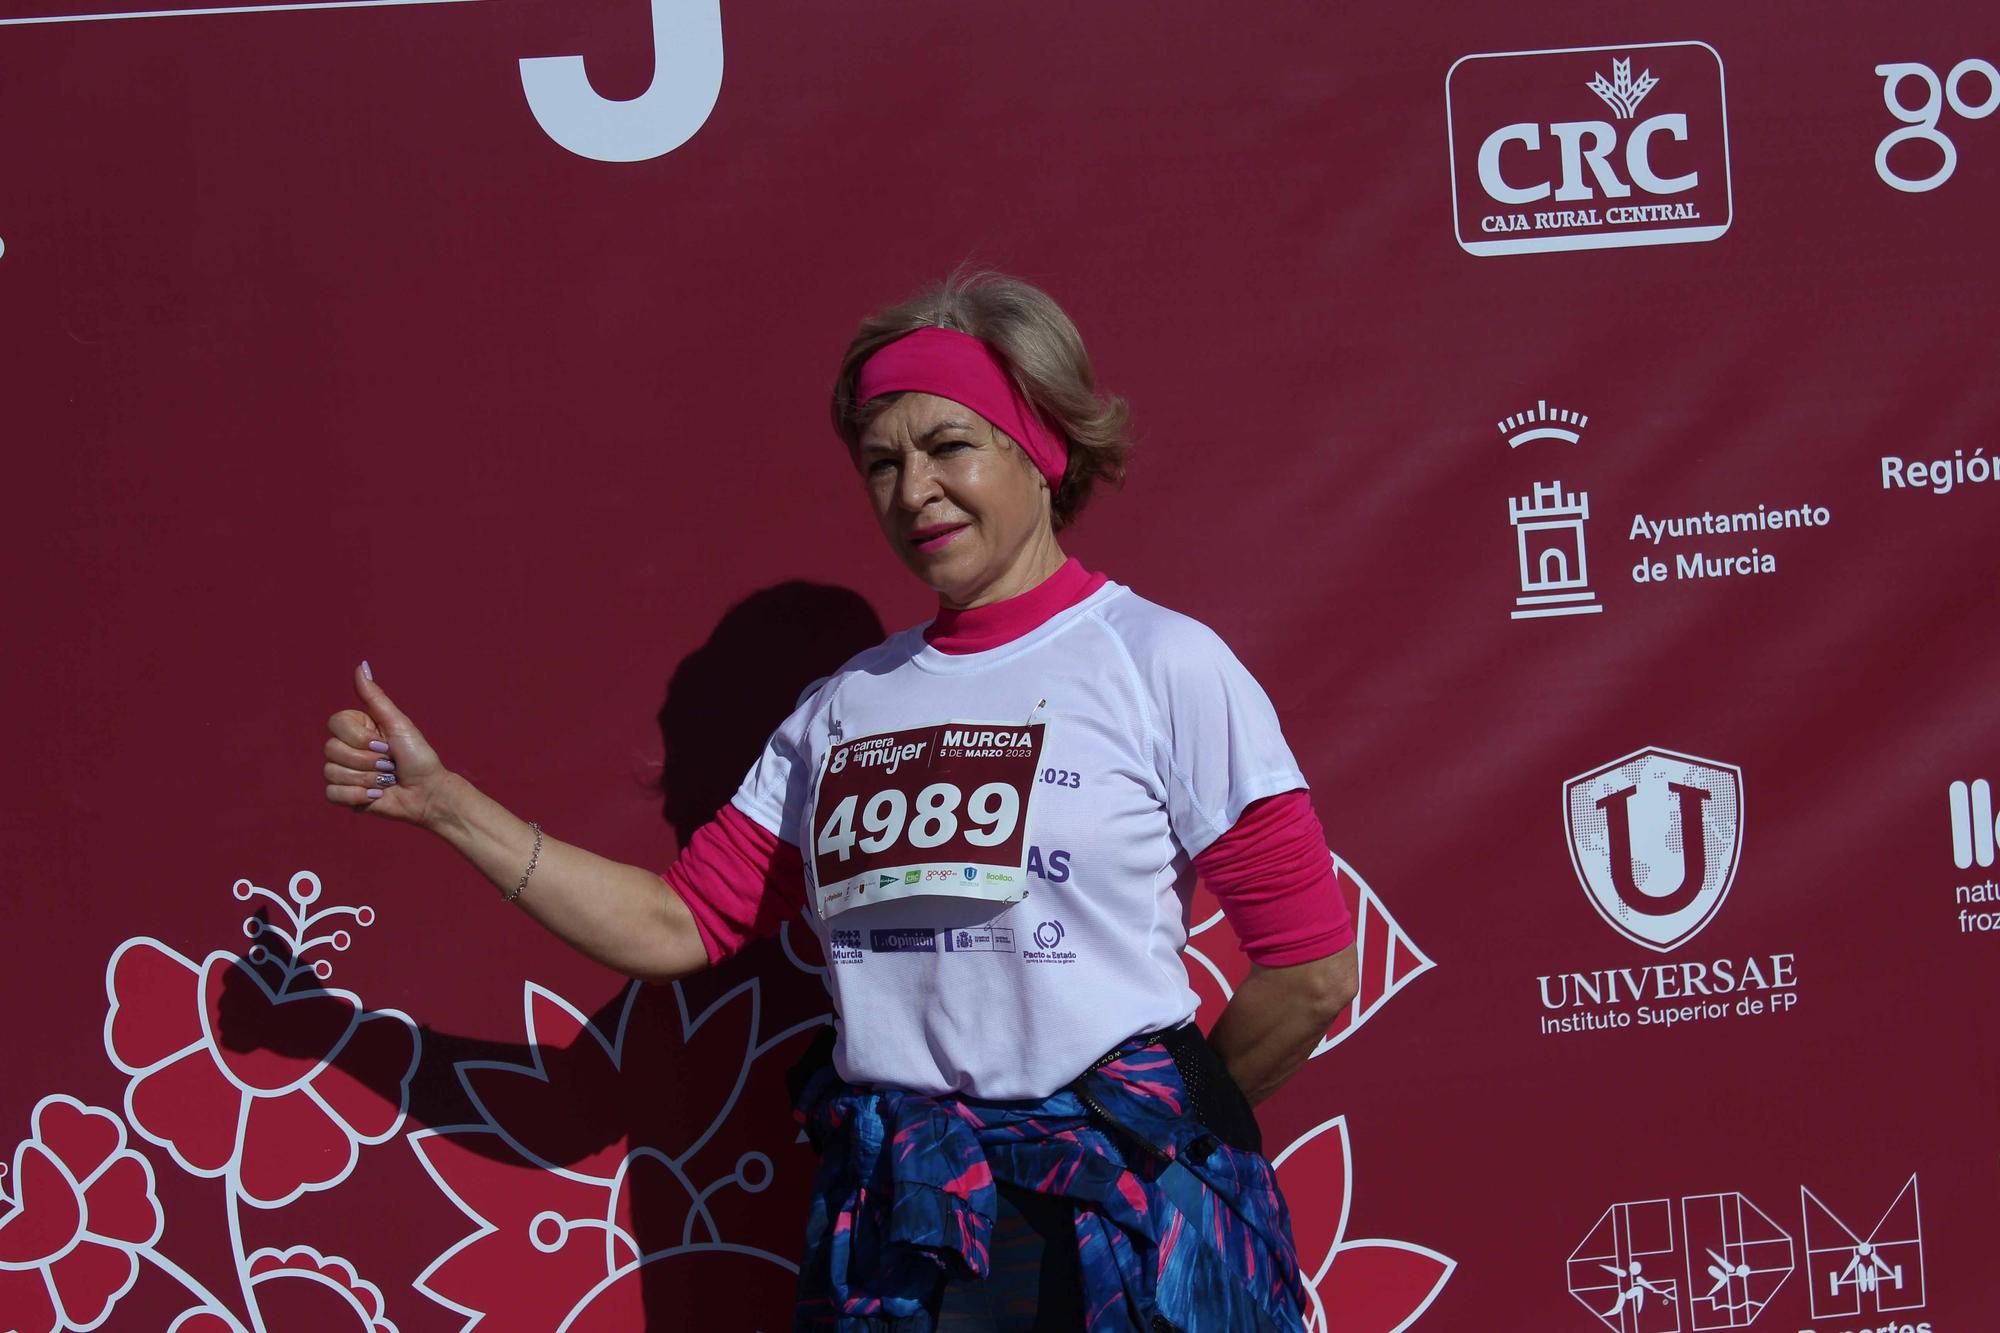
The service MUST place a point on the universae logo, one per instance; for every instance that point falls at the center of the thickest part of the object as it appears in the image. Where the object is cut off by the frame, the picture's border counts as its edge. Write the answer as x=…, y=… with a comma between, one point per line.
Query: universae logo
x=1587, y=148
x=1655, y=838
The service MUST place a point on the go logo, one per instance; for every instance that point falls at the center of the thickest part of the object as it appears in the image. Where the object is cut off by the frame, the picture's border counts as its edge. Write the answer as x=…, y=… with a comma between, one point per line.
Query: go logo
x=1920, y=122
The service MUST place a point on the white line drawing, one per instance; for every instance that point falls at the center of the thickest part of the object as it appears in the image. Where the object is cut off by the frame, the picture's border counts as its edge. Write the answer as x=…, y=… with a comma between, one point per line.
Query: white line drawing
x=1569, y=427
x=212, y=1046
x=1850, y=1275
x=212, y=1068
x=1745, y=1258
x=1382, y=950
x=65, y=1153
x=330, y=1271
x=581, y=1200
x=243, y=1080
x=1621, y=92
x=1607, y=1270
x=1305, y=1157
x=222, y=9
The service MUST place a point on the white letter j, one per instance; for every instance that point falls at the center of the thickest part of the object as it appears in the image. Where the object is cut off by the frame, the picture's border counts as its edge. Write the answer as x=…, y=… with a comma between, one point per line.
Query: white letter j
x=687, y=78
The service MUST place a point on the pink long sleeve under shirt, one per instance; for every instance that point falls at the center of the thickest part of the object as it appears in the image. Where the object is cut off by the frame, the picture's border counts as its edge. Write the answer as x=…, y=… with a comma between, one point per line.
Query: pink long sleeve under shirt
x=1270, y=872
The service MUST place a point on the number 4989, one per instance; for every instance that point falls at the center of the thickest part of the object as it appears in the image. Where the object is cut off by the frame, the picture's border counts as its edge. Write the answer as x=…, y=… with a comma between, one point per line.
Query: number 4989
x=992, y=814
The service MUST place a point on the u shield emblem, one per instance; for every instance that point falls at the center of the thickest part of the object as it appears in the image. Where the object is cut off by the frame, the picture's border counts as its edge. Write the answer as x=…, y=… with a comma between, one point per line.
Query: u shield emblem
x=1655, y=838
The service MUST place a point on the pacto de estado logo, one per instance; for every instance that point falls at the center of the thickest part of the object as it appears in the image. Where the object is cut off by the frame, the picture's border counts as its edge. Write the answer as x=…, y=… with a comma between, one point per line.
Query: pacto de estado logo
x=1920, y=121
x=1587, y=148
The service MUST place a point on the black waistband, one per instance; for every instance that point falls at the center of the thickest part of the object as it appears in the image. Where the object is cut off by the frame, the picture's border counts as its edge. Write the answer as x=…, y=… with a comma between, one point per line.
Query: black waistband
x=1213, y=1095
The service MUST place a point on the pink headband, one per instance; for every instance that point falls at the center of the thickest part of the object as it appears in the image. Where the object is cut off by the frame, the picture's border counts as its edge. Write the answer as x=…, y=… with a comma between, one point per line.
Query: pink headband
x=960, y=367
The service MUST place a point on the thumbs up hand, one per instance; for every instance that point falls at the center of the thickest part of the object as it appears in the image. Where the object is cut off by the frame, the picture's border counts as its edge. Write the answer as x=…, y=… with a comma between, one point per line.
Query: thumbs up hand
x=378, y=761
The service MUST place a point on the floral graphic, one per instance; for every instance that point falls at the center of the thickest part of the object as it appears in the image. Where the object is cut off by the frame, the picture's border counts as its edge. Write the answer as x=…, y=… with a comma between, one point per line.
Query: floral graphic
x=80, y=1209
x=586, y=1212
x=271, y=1084
x=234, y=1076
x=615, y=1172
x=305, y=1290
x=1387, y=958
x=1356, y=1286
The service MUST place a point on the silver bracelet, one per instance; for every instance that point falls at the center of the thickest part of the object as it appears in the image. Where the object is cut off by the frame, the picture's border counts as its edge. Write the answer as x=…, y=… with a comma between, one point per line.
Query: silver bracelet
x=536, y=856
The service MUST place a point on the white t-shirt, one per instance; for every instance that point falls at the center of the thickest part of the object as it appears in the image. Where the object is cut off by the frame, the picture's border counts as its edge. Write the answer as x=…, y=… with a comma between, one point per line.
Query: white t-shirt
x=1033, y=811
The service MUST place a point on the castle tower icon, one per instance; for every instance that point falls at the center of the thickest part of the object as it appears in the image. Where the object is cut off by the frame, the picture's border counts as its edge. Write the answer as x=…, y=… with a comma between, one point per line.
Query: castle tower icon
x=1555, y=576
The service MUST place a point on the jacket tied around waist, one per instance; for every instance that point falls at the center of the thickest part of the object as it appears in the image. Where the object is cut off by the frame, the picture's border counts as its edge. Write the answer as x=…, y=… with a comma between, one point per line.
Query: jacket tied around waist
x=1175, y=1228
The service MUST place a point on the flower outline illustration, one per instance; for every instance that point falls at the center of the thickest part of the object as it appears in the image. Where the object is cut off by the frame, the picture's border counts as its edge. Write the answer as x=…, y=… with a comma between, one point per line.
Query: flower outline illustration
x=207, y=1105
x=556, y=1240
x=106, y=1215
x=1386, y=958
x=1383, y=1285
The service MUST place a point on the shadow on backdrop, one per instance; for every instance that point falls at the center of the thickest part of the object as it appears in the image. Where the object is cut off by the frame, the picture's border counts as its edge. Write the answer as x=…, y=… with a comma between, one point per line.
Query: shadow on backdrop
x=694, y=1156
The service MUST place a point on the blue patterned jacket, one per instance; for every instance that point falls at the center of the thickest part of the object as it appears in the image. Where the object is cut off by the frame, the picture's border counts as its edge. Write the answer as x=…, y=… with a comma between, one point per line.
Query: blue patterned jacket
x=1174, y=1229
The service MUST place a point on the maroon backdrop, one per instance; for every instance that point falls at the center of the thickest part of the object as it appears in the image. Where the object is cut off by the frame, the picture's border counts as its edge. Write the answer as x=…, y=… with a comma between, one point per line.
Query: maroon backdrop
x=1581, y=418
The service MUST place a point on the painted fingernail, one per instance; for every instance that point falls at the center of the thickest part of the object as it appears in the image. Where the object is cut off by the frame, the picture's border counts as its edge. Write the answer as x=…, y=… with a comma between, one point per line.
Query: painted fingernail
x=385, y=778
x=379, y=747
x=373, y=792
x=386, y=765
x=366, y=670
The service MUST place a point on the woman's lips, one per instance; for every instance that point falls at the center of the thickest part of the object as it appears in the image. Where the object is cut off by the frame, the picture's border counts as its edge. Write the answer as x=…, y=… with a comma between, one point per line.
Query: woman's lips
x=934, y=539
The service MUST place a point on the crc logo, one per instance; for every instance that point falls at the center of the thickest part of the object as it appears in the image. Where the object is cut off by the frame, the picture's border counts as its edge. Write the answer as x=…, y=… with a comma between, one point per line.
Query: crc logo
x=1973, y=828
x=1655, y=838
x=1920, y=123
x=1571, y=150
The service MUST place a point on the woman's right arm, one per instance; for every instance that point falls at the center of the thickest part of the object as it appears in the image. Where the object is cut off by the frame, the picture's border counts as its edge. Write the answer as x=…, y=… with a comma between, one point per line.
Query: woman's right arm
x=624, y=916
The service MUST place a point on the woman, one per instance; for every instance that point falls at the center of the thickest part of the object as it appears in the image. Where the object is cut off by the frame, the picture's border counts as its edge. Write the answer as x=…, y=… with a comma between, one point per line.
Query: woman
x=993, y=822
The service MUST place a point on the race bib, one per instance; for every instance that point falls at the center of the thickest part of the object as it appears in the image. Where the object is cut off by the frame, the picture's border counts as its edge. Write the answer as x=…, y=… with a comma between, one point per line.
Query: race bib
x=931, y=810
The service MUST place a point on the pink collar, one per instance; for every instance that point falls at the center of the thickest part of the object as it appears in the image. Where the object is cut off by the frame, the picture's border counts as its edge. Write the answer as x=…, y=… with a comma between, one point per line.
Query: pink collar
x=989, y=626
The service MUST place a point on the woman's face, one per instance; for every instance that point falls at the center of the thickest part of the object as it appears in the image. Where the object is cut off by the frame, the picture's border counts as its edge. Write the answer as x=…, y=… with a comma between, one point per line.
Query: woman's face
x=960, y=503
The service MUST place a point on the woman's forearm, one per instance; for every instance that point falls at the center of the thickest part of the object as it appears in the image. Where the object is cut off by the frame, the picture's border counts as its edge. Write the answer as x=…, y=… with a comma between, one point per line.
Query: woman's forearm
x=624, y=916
x=1276, y=1018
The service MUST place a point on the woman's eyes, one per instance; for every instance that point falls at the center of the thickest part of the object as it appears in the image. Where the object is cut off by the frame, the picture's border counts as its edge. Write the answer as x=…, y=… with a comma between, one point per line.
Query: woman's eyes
x=943, y=447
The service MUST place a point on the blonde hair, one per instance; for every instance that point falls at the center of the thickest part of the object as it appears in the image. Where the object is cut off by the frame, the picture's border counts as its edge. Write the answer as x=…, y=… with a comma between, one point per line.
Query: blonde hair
x=1044, y=356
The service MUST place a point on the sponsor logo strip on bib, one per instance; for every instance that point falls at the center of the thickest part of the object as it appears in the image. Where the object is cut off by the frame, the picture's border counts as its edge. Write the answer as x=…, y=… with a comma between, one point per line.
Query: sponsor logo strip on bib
x=930, y=810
